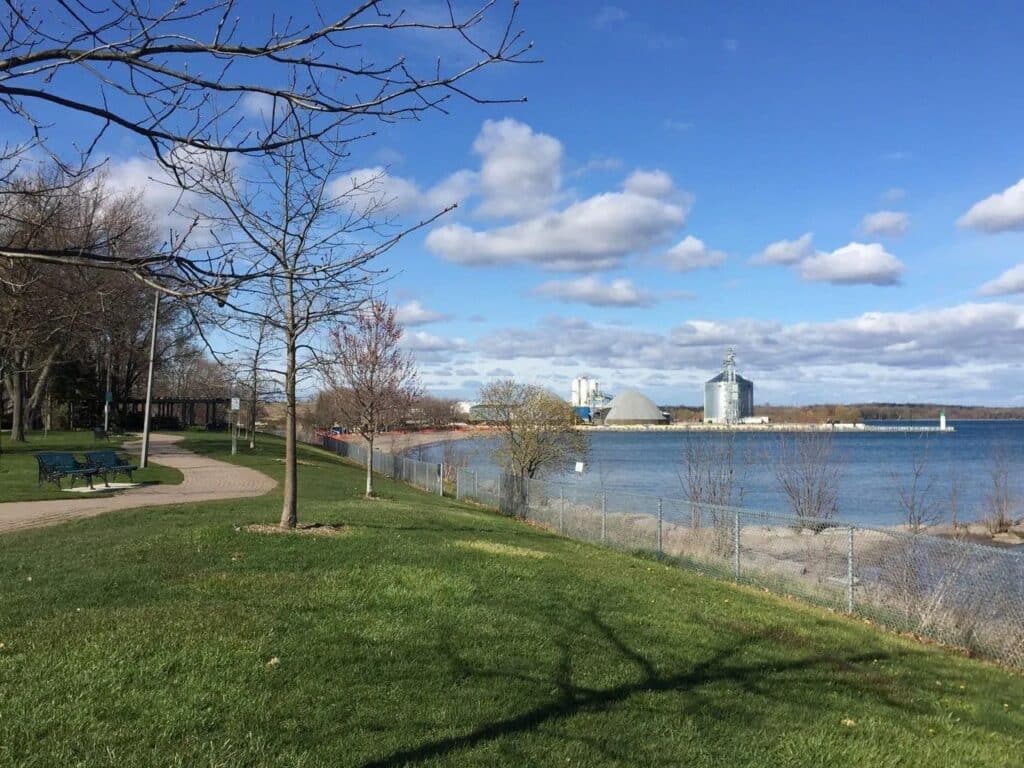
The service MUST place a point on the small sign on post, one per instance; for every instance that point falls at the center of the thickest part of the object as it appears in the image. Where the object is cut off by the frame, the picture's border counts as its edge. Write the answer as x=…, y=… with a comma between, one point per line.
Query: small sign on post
x=236, y=406
x=579, y=467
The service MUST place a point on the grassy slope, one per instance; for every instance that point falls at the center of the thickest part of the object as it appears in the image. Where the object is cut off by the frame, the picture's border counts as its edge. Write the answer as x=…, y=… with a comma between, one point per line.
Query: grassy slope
x=144, y=638
x=19, y=473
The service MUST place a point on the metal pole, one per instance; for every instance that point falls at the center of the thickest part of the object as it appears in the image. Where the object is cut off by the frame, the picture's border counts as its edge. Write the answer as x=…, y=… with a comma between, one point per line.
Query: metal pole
x=476, y=485
x=144, y=458
x=107, y=397
x=849, y=572
x=440, y=479
x=561, y=509
x=736, y=543
x=604, y=515
x=661, y=550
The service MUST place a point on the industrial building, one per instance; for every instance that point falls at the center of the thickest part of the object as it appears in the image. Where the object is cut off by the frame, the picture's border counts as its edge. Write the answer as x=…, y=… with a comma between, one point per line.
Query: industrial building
x=632, y=407
x=586, y=398
x=728, y=397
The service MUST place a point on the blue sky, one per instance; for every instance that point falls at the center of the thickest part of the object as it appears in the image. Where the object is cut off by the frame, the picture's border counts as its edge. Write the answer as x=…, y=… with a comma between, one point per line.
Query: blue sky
x=771, y=124
x=617, y=223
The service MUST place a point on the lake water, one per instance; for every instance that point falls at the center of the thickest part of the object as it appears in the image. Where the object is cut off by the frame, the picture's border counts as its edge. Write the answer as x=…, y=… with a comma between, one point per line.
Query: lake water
x=873, y=465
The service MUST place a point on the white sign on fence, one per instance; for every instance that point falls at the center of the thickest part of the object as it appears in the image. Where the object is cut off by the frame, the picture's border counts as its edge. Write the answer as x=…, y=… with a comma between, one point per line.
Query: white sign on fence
x=236, y=403
x=579, y=467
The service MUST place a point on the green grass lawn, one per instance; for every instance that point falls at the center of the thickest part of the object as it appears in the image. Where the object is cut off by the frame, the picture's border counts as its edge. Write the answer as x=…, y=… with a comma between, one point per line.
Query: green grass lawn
x=438, y=634
x=19, y=476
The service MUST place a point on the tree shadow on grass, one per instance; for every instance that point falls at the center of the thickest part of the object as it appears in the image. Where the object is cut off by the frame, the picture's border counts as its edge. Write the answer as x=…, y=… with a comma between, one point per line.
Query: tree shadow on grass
x=570, y=698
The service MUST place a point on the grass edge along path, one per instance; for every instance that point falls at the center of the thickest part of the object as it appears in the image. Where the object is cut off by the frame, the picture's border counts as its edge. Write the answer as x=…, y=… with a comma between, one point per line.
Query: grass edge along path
x=435, y=633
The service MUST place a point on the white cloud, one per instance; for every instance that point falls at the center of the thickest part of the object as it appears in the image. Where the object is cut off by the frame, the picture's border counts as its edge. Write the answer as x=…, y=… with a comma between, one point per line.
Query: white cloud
x=1000, y=212
x=520, y=171
x=595, y=233
x=787, y=251
x=257, y=104
x=608, y=15
x=591, y=290
x=1011, y=281
x=880, y=354
x=886, y=223
x=414, y=313
x=853, y=264
x=375, y=189
x=671, y=124
x=173, y=208
x=650, y=183
x=893, y=194
x=692, y=253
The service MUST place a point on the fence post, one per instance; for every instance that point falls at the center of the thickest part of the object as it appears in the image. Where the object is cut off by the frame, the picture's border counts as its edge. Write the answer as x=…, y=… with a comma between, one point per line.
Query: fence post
x=661, y=550
x=604, y=515
x=440, y=479
x=736, y=543
x=458, y=483
x=476, y=485
x=561, y=509
x=849, y=572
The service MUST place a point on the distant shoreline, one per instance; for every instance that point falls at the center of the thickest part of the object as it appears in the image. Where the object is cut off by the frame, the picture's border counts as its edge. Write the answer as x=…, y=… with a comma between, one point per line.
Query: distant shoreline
x=851, y=429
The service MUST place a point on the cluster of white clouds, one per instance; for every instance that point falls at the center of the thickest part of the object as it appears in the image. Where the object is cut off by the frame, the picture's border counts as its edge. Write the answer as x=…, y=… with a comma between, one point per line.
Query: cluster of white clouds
x=964, y=351
x=852, y=264
x=962, y=348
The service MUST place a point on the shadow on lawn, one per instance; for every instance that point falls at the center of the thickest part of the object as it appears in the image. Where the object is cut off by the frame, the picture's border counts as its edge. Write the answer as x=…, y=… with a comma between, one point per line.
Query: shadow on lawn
x=571, y=698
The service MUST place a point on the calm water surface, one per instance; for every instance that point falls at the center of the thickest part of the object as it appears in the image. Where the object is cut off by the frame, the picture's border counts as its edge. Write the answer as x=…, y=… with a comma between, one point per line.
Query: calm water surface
x=873, y=465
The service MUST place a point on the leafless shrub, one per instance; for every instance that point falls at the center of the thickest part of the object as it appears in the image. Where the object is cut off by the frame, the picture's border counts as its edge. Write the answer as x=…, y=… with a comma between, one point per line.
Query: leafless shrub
x=915, y=492
x=808, y=471
x=712, y=479
x=1000, y=500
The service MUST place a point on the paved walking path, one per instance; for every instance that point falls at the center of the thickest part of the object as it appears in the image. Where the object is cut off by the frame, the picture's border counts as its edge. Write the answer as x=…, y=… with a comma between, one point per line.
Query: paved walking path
x=206, y=479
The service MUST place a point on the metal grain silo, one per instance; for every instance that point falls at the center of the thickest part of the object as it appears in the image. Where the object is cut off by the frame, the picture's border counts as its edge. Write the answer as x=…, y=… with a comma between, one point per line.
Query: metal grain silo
x=728, y=397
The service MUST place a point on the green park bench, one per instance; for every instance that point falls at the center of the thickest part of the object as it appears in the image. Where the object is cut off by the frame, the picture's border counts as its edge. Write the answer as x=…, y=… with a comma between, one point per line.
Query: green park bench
x=108, y=464
x=54, y=466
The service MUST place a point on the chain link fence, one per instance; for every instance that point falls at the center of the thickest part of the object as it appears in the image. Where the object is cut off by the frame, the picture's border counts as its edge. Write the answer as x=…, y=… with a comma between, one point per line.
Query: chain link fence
x=425, y=475
x=952, y=591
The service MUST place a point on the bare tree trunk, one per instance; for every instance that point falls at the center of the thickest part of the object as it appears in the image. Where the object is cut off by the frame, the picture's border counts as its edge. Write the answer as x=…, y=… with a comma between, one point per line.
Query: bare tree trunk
x=369, y=469
x=289, y=509
x=18, y=406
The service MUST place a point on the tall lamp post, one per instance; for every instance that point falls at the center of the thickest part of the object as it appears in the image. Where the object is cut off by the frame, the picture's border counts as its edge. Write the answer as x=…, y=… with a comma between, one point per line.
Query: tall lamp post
x=144, y=459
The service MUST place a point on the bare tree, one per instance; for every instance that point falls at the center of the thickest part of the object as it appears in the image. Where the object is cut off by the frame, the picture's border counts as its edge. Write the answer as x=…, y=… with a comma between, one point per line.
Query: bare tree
x=181, y=78
x=537, y=428
x=712, y=478
x=915, y=492
x=956, y=493
x=808, y=472
x=377, y=376
x=1000, y=499
x=47, y=311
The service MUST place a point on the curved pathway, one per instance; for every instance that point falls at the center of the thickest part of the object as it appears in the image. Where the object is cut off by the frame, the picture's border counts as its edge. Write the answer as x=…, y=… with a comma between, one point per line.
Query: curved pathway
x=206, y=479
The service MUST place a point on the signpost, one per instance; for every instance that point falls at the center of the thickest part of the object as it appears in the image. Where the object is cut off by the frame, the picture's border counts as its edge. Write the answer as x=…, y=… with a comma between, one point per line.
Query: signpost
x=236, y=406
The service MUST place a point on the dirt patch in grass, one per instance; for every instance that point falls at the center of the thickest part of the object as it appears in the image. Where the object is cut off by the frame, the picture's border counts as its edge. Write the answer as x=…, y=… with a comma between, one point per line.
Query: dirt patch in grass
x=500, y=549
x=309, y=529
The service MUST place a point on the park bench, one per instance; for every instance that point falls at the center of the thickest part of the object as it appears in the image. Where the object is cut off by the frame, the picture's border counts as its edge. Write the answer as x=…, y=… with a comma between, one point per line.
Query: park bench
x=107, y=463
x=54, y=466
